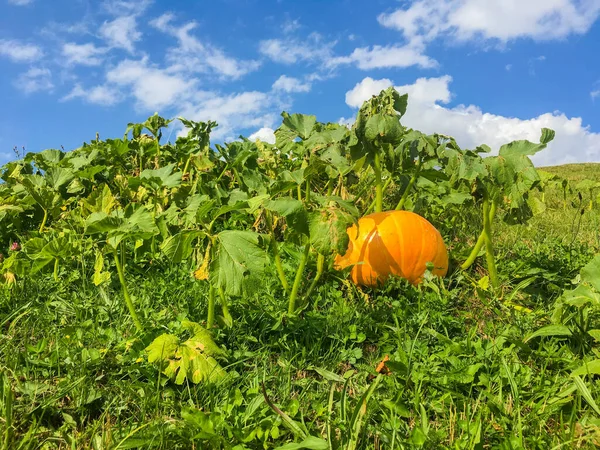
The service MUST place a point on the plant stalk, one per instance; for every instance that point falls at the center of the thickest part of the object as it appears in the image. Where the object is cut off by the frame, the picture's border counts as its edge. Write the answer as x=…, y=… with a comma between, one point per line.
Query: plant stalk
x=489, y=249
x=480, y=241
x=411, y=183
x=125, y=291
x=378, y=184
x=55, y=269
x=372, y=205
x=313, y=285
x=210, y=320
x=43, y=224
x=298, y=279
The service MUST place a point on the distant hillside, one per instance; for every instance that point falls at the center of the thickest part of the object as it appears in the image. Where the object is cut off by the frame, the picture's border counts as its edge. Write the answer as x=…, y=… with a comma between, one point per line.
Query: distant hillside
x=576, y=172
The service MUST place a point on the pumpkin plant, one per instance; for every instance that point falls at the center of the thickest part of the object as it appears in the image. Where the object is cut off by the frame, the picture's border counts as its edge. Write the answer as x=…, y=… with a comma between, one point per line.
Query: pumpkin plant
x=496, y=181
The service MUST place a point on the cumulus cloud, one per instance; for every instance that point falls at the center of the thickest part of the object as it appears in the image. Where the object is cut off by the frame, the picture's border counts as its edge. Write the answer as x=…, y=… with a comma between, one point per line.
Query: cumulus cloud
x=192, y=55
x=34, y=80
x=290, y=84
x=463, y=20
x=471, y=126
x=265, y=134
x=121, y=32
x=18, y=51
x=378, y=57
x=99, y=95
x=289, y=51
x=245, y=110
x=83, y=54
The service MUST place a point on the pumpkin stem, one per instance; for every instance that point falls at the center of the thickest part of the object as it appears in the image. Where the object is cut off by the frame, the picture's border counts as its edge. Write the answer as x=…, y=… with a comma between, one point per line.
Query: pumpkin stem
x=320, y=267
x=378, y=184
x=480, y=241
x=298, y=279
x=489, y=249
x=126, y=295
x=411, y=183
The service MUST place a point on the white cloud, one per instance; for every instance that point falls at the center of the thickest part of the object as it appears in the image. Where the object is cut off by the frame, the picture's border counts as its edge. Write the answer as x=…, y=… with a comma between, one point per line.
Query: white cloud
x=84, y=54
x=192, y=55
x=501, y=20
x=153, y=88
x=290, y=84
x=20, y=2
x=365, y=89
x=595, y=94
x=34, y=80
x=99, y=95
x=19, y=52
x=379, y=57
x=471, y=126
x=121, y=32
x=232, y=112
x=265, y=134
x=508, y=67
x=290, y=51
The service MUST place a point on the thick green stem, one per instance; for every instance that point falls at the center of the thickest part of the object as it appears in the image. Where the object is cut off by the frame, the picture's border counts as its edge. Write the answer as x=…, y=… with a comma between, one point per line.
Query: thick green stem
x=128, y=300
x=298, y=279
x=210, y=320
x=480, y=241
x=313, y=285
x=489, y=249
x=307, y=193
x=55, y=269
x=187, y=165
x=224, y=306
x=157, y=153
x=372, y=205
x=299, y=192
x=473, y=256
x=44, y=220
x=378, y=184
x=406, y=192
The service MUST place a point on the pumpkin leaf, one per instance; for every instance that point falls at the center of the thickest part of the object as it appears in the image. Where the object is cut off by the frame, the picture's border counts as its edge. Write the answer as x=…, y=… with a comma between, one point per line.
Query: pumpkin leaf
x=238, y=259
x=328, y=230
x=190, y=359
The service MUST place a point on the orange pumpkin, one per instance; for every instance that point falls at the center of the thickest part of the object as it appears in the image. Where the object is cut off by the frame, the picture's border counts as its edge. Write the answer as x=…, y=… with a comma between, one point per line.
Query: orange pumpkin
x=397, y=243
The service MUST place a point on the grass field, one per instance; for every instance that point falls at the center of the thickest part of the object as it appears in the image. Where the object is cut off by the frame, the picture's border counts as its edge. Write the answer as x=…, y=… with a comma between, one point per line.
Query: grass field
x=462, y=373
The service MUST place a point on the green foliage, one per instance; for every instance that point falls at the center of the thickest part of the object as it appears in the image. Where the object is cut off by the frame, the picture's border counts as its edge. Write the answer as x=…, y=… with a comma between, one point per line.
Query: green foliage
x=192, y=359
x=506, y=359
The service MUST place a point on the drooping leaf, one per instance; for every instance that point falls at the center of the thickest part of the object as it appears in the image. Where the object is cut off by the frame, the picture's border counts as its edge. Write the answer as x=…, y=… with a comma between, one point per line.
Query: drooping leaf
x=239, y=259
x=179, y=247
x=300, y=124
x=190, y=359
x=294, y=212
x=328, y=230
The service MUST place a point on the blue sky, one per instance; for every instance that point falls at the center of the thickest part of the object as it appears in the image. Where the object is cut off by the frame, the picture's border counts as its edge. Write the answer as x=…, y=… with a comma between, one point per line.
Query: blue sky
x=485, y=72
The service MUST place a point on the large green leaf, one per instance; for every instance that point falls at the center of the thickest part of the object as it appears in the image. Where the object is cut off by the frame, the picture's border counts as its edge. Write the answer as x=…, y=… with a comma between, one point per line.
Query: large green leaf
x=179, y=247
x=239, y=258
x=300, y=124
x=328, y=230
x=294, y=212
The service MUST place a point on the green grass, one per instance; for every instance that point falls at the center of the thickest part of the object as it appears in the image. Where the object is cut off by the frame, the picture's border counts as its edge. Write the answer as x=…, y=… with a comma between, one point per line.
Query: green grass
x=73, y=374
